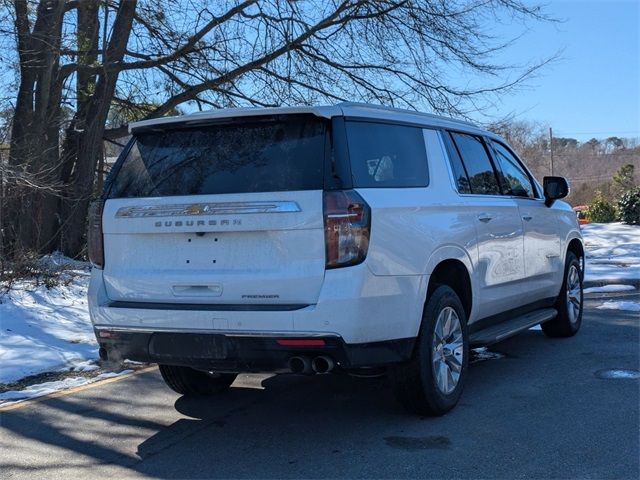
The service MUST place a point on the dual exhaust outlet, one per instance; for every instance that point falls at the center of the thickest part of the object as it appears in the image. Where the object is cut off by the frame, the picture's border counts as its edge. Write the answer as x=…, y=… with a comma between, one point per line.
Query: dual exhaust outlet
x=300, y=364
x=306, y=366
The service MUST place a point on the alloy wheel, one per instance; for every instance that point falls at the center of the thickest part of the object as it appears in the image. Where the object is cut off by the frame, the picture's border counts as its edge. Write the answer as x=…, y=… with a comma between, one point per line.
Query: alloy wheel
x=448, y=350
x=574, y=297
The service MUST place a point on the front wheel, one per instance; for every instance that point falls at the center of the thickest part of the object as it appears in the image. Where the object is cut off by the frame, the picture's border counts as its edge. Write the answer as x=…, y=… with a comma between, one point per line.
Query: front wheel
x=431, y=382
x=569, y=303
x=188, y=381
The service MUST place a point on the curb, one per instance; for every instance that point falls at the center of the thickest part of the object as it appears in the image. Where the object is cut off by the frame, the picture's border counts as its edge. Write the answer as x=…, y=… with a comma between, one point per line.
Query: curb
x=614, y=281
x=15, y=404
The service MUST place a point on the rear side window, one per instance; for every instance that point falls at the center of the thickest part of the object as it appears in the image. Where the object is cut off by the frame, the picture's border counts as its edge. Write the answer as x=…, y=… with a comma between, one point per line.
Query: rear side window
x=255, y=156
x=482, y=177
x=386, y=155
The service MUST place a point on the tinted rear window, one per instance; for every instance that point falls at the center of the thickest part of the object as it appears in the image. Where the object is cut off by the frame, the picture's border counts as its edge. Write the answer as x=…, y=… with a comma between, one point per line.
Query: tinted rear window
x=386, y=155
x=482, y=177
x=260, y=156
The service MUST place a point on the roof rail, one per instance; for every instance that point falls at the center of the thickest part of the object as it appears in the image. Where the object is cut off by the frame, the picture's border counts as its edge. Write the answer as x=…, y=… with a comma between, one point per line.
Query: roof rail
x=403, y=110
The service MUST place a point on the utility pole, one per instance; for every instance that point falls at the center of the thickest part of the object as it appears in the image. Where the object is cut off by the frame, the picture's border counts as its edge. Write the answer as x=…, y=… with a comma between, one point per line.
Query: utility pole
x=551, y=147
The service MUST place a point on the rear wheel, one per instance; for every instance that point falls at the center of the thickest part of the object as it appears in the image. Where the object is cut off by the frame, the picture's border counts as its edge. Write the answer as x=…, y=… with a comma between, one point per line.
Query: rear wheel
x=431, y=382
x=569, y=303
x=187, y=381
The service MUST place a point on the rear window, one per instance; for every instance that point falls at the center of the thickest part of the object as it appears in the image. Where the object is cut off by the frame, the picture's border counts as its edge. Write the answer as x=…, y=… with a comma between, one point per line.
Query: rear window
x=478, y=166
x=386, y=155
x=257, y=156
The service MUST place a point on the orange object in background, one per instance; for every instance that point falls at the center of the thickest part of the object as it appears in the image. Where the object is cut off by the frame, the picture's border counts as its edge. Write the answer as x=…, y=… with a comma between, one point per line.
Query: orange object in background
x=580, y=212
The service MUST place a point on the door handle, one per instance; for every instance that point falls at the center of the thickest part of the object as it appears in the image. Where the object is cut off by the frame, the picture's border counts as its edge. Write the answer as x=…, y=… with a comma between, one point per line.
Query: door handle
x=526, y=218
x=484, y=217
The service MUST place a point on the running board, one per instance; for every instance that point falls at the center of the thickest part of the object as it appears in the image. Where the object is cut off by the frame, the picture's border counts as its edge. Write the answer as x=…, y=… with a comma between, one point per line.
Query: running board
x=506, y=329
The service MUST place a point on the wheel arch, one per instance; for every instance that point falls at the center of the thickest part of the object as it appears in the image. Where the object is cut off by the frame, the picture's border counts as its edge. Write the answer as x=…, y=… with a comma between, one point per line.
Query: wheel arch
x=455, y=274
x=575, y=246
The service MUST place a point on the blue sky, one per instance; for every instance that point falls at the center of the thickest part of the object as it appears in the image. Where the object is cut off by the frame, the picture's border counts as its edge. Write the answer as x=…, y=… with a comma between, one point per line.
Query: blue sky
x=593, y=90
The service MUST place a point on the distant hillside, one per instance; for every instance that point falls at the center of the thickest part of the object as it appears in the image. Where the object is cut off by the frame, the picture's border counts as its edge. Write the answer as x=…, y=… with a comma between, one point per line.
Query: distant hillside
x=586, y=173
x=589, y=166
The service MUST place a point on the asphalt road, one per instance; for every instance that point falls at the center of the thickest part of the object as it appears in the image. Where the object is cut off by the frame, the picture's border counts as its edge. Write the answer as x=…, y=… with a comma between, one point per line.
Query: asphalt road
x=538, y=412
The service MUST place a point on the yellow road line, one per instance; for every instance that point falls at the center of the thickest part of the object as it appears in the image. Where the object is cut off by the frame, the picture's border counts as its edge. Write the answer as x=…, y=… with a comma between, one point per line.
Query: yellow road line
x=69, y=391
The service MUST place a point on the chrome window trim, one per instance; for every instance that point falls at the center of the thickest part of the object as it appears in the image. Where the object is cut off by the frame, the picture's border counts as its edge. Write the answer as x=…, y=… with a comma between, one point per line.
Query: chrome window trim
x=510, y=197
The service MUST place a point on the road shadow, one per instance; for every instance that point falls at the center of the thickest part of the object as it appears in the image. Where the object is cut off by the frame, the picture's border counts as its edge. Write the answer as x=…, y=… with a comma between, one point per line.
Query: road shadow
x=329, y=425
x=294, y=427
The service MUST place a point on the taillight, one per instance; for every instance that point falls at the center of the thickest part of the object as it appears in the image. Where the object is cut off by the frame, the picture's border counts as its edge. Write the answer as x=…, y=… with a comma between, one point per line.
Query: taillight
x=347, y=222
x=95, y=239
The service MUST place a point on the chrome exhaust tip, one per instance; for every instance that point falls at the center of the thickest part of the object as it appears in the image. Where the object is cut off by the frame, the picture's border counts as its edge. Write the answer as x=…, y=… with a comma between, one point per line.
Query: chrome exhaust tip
x=300, y=365
x=322, y=364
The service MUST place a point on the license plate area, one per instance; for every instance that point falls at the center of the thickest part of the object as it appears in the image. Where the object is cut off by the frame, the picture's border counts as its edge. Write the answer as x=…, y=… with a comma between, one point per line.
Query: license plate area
x=188, y=346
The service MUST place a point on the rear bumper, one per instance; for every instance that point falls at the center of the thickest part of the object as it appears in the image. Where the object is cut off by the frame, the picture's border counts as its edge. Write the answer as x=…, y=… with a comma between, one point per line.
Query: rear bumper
x=353, y=305
x=244, y=353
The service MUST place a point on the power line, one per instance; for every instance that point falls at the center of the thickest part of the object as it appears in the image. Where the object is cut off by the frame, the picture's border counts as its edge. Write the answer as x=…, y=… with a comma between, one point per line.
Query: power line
x=637, y=132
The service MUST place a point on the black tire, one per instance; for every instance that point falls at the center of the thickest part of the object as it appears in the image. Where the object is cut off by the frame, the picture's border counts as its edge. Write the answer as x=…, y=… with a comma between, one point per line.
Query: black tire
x=187, y=381
x=415, y=383
x=567, y=323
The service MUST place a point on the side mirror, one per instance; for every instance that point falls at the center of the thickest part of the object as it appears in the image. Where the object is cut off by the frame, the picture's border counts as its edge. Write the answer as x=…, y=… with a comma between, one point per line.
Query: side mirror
x=554, y=188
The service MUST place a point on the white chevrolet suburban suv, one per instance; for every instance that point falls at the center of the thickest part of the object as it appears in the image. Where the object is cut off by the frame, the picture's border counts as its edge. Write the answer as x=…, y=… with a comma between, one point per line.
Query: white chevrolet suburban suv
x=318, y=239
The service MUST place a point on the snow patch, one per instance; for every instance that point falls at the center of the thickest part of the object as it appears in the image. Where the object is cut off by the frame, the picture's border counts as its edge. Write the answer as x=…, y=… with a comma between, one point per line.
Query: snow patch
x=58, y=261
x=618, y=373
x=84, y=366
x=612, y=252
x=44, y=330
x=133, y=362
x=620, y=305
x=481, y=354
x=609, y=289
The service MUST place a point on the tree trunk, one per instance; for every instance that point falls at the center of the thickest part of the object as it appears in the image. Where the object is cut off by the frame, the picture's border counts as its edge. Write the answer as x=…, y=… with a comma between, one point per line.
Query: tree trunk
x=82, y=146
x=29, y=220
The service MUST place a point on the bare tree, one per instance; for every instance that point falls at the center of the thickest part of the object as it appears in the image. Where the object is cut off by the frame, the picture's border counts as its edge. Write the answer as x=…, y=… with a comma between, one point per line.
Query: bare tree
x=153, y=56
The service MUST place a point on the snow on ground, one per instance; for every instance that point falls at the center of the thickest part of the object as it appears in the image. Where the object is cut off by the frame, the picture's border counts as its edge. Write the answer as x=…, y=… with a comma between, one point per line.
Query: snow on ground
x=46, y=388
x=612, y=252
x=618, y=373
x=44, y=330
x=620, y=305
x=483, y=353
x=610, y=289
